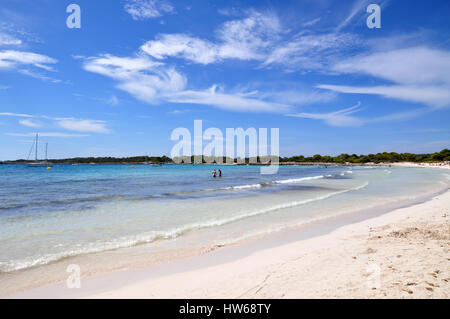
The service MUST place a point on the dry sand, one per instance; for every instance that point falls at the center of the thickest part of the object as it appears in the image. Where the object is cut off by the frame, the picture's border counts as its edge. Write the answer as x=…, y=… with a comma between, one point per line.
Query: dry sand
x=422, y=165
x=402, y=254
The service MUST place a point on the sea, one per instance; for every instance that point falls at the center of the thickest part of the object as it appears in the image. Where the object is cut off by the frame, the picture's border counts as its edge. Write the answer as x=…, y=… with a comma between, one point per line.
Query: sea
x=47, y=215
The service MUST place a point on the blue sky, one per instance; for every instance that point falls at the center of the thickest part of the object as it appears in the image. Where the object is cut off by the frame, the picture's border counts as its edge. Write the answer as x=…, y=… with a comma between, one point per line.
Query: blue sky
x=137, y=69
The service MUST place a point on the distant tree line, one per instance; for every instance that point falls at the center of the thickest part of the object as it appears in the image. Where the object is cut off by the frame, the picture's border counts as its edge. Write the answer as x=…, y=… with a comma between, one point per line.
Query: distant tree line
x=385, y=157
x=113, y=160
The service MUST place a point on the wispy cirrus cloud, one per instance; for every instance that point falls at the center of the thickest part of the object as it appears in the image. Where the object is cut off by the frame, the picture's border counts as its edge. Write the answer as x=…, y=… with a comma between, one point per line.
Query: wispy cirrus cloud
x=67, y=123
x=311, y=51
x=311, y=22
x=416, y=74
x=138, y=75
x=413, y=65
x=47, y=134
x=346, y=117
x=29, y=123
x=38, y=75
x=11, y=58
x=243, y=39
x=435, y=96
x=358, y=8
x=150, y=74
x=9, y=40
x=27, y=63
x=228, y=101
x=112, y=100
x=147, y=9
x=92, y=126
x=260, y=37
x=153, y=82
x=148, y=77
x=337, y=118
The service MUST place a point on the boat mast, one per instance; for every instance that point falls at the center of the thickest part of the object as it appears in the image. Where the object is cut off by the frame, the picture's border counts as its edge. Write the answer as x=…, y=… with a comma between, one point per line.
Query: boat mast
x=46, y=148
x=36, y=151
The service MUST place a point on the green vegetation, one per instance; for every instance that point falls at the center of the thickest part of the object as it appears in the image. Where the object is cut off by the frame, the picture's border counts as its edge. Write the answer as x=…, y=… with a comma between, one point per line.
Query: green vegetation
x=113, y=160
x=385, y=157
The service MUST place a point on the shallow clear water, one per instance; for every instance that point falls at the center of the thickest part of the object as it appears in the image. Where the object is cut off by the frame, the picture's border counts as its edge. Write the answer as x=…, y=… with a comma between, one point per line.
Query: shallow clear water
x=72, y=210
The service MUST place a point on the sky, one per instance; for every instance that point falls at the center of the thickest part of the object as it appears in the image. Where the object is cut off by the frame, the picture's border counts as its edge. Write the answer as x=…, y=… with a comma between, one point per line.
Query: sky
x=138, y=69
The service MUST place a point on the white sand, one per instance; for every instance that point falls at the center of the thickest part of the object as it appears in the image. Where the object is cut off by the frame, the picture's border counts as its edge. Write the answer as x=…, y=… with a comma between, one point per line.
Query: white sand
x=402, y=254
x=427, y=165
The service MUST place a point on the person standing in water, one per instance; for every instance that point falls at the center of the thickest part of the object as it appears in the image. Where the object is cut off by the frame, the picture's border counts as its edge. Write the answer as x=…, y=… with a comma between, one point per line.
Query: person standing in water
x=220, y=173
x=214, y=173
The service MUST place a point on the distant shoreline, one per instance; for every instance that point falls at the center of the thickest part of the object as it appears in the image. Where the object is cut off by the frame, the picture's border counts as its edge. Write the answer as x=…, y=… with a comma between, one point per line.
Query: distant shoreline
x=403, y=164
x=385, y=158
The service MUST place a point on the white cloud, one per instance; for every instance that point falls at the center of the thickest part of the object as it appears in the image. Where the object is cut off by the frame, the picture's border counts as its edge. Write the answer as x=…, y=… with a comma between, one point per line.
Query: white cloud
x=311, y=51
x=38, y=75
x=245, y=39
x=415, y=65
x=11, y=59
x=420, y=74
x=344, y=118
x=147, y=9
x=435, y=96
x=176, y=112
x=400, y=116
x=16, y=114
x=47, y=134
x=29, y=123
x=359, y=7
x=143, y=78
x=232, y=102
x=259, y=36
x=183, y=46
x=338, y=118
x=113, y=100
x=6, y=39
x=24, y=61
x=68, y=123
x=153, y=82
x=249, y=38
x=311, y=22
x=83, y=125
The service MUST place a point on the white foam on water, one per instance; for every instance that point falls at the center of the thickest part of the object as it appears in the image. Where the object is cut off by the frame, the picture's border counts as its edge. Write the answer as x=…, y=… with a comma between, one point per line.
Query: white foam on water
x=144, y=238
x=296, y=180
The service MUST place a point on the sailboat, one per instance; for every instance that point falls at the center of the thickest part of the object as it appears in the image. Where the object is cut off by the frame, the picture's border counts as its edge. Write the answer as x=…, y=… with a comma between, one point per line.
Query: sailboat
x=36, y=162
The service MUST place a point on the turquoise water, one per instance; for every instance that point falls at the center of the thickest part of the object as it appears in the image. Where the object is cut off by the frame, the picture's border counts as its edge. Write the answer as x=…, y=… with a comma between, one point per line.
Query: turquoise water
x=47, y=215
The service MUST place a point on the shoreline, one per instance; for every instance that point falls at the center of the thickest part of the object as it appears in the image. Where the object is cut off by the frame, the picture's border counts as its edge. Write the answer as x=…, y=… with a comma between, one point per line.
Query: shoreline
x=254, y=257
x=381, y=164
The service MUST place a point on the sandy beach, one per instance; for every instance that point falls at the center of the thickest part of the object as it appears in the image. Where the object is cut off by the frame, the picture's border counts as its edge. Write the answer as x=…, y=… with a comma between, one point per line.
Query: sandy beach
x=422, y=165
x=401, y=254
